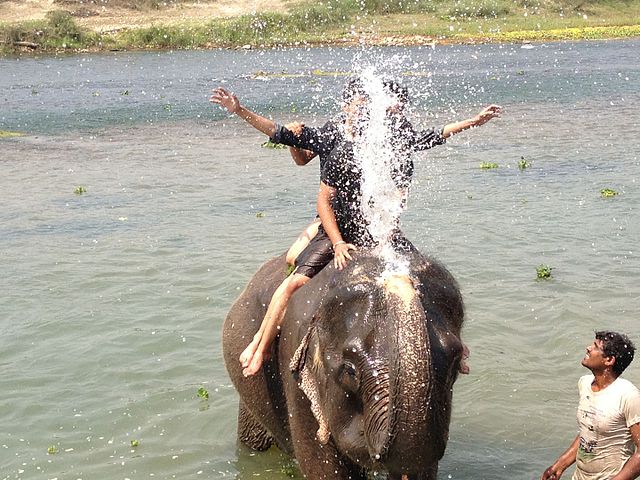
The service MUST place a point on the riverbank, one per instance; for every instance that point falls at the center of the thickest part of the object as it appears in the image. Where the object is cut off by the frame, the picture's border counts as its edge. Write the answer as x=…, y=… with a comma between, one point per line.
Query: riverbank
x=53, y=26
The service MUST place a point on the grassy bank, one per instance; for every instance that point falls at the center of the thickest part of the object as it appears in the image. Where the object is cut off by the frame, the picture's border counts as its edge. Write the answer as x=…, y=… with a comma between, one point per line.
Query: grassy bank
x=345, y=21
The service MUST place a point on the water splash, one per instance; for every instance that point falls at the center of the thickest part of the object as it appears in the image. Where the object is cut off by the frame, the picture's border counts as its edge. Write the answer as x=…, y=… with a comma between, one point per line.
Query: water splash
x=383, y=200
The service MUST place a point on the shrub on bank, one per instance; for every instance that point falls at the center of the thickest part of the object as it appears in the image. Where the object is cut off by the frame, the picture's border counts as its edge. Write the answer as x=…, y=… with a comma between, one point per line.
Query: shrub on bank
x=57, y=30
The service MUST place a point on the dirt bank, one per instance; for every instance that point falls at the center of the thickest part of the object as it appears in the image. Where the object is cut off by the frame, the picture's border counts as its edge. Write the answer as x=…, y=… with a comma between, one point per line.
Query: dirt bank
x=106, y=16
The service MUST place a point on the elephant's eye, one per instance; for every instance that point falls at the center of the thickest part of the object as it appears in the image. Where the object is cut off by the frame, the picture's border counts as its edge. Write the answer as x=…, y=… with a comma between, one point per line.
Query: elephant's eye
x=348, y=377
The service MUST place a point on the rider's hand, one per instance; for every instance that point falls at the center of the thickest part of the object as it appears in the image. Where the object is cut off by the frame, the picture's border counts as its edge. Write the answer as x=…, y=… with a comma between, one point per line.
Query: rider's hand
x=225, y=99
x=341, y=254
x=487, y=113
x=295, y=128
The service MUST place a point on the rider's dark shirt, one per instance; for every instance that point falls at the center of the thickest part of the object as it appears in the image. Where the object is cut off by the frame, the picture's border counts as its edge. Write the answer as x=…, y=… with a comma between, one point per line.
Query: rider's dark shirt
x=340, y=170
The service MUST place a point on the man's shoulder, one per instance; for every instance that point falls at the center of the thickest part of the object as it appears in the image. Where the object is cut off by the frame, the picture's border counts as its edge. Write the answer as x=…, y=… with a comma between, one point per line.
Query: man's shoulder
x=625, y=387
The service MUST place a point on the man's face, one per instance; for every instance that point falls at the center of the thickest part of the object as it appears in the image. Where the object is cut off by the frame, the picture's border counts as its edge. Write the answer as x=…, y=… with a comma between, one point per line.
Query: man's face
x=595, y=359
x=396, y=105
x=356, y=108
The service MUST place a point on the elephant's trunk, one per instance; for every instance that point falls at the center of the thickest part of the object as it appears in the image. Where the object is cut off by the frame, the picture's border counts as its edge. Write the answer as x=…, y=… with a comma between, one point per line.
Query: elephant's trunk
x=375, y=389
x=416, y=412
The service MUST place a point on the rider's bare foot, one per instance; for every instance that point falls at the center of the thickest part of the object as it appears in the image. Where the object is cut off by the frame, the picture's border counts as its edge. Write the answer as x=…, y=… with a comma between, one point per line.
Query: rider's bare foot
x=247, y=354
x=256, y=363
x=464, y=368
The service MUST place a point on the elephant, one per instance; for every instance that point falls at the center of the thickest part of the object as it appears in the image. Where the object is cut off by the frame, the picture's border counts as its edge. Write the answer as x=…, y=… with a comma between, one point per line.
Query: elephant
x=361, y=376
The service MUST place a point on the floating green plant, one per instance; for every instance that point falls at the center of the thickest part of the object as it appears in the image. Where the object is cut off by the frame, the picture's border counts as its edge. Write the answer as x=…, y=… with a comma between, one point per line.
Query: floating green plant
x=52, y=450
x=125, y=92
x=260, y=215
x=289, y=469
x=543, y=271
x=290, y=269
x=263, y=74
x=270, y=144
x=608, y=192
x=80, y=190
x=203, y=393
x=134, y=443
x=520, y=72
x=488, y=165
x=324, y=73
x=523, y=163
x=7, y=134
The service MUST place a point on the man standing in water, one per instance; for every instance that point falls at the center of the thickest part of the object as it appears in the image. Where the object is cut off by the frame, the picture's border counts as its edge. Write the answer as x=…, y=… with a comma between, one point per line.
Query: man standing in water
x=608, y=416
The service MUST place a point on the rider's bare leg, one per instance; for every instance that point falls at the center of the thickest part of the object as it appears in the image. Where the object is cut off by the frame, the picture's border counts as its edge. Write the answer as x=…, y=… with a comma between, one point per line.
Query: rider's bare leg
x=302, y=241
x=257, y=352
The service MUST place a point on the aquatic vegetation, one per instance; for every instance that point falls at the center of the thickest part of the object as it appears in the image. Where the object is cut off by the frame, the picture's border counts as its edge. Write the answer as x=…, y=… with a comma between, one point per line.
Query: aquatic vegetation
x=52, y=450
x=270, y=144
x=608, y=192
x=326, y=73
x=7, y=134
x=203, y=393
x=260, y=74
x=543, y=271
x=134, y=443
x=488, y=165
x=79, y=190
x=260, y=215
x=290, y=269
x=523, y=163
x=289, y=469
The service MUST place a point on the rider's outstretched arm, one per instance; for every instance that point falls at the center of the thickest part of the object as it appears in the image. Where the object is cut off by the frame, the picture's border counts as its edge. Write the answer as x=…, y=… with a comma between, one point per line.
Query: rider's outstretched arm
x=230, y=102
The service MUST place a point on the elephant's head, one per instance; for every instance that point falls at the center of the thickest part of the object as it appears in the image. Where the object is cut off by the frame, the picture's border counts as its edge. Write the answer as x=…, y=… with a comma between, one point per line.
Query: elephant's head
x=379, y=362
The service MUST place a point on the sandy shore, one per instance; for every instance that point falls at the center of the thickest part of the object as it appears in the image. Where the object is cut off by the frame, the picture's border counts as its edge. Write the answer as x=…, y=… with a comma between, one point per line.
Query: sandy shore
x=101, y=18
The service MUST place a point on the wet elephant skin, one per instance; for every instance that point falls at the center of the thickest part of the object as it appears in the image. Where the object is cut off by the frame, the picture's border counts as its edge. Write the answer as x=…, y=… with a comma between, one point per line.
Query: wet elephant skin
x=370, y=387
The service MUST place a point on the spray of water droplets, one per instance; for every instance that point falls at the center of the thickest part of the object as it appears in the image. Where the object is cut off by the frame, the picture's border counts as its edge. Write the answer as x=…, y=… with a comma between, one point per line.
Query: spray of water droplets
x=382, y=200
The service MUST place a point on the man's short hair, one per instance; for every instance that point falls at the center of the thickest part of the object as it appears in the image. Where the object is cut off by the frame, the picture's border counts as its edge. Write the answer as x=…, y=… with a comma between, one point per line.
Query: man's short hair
x=617, y=345
x=353, y=88
x=400, y=91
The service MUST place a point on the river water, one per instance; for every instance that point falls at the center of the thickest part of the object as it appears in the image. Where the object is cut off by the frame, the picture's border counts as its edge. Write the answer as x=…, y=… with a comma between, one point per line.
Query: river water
x=113, y=299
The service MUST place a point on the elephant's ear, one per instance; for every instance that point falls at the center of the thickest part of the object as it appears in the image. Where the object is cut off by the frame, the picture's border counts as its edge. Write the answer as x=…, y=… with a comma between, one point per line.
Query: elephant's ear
x=308, y=384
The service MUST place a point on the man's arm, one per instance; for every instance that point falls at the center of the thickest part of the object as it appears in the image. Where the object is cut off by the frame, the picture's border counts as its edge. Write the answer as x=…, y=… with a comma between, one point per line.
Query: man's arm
x=487, y=113
x=555, y=471
x=299, y=155
x=230, y=102
x=631, y=468
x=330, y=225
x=309, y=139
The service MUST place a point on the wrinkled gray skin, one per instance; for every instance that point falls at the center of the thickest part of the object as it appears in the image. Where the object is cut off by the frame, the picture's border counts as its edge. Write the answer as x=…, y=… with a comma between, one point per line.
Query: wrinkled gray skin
x=380, y=363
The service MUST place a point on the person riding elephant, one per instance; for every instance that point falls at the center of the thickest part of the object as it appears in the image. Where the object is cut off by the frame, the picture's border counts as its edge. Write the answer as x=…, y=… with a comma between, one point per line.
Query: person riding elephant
x=362, y=374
